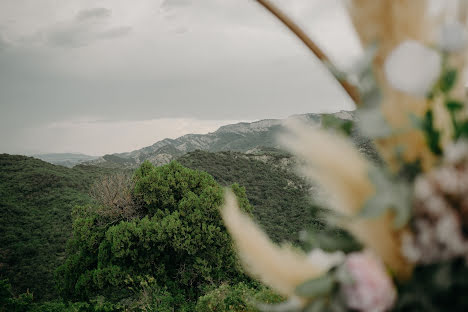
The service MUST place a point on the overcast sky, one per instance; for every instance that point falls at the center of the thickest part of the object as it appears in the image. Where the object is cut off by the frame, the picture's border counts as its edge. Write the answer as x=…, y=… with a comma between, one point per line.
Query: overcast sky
x=104, y=76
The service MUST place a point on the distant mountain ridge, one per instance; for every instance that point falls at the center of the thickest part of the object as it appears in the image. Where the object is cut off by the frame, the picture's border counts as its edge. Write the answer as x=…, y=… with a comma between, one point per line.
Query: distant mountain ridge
x=240, y=137
x=65, y=159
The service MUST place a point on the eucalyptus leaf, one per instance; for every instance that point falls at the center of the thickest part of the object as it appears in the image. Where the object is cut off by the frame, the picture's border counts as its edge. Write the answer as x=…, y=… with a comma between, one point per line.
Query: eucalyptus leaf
x=316, y=287
x=337, y=305
x=391, y=195
x=318, y=305
x=372, y=123
x=416, y=121
x=292, y=305
x=462, y=130
x=343, y=276
x=365, y=62
x=371, y=98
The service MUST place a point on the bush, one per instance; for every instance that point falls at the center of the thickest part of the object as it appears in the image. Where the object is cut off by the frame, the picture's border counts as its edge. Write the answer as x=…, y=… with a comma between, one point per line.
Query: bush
x=237, y=298
x=180, y=243
x=10, y=303
x=113, y=193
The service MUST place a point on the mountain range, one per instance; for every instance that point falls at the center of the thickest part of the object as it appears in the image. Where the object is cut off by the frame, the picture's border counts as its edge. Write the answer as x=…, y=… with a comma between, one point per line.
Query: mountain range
x=65, y=159
x=241, y=137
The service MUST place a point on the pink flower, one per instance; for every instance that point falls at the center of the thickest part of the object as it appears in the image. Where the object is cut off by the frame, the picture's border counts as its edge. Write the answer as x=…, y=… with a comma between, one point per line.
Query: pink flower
x=371, y=289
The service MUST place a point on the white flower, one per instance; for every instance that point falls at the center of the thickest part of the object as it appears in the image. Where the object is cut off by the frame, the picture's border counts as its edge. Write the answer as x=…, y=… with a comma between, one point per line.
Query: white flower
x=371, y=289
x=325, y=260
x=452, y=37
x=413, y=68
x=456, y=153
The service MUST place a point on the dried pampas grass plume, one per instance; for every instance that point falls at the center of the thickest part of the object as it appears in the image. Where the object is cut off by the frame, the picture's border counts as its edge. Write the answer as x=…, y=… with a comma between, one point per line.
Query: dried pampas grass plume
x=389, y=23
x=333, y=162
x=281, y=268
x=343, y=173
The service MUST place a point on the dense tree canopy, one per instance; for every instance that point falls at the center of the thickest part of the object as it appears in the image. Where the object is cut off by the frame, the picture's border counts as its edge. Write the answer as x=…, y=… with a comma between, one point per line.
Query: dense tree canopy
x=36, y=199
x=177, y=244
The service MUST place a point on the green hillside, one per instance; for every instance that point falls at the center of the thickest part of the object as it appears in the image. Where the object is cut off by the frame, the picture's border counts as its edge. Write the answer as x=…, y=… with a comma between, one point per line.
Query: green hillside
x=36, y=199
x=281, y=200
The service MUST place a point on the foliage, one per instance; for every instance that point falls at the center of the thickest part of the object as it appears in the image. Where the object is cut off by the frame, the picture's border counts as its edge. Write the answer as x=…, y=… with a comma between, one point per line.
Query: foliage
x=235, y=298
x=113, y=195
x=436, y=287
x=8, y=302
x=280, y=198
x=180, y=244
x=35, y=203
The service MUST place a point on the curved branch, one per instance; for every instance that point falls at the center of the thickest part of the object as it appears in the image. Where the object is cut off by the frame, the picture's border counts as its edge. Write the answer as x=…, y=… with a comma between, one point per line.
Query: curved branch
x=288, y=22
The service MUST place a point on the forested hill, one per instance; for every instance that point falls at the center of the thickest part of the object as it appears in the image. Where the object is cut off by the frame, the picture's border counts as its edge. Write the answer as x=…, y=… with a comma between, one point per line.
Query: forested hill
x=281, y=200
x=36, y=199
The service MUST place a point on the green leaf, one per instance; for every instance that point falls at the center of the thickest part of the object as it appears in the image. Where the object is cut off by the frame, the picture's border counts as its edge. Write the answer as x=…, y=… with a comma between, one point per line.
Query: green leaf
x=318, y=305
x=410, y=170
x=390, y=195
x=432, y=135
x=316, y=287
x=462, y=130
x=287, y=306
x=416, y=121
x=331, y=240
x=372, y=123
x=448, y=79
x=454, y=105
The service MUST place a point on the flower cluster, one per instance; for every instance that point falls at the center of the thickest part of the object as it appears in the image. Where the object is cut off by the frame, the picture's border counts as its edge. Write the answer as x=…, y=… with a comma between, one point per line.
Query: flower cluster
x=409, y=211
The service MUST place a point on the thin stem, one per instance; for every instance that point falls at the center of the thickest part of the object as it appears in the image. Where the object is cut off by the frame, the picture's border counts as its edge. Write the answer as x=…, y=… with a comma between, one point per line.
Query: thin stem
x=288, y=22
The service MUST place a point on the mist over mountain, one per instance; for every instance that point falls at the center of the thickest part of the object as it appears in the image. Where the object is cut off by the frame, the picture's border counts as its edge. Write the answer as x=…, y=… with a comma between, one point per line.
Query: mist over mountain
x=65, y=159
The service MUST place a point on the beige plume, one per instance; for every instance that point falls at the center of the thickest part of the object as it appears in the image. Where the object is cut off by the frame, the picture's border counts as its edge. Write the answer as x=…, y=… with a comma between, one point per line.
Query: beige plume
x=333, y=162
x=388, y=23
x=342, y=172
x=281, y=268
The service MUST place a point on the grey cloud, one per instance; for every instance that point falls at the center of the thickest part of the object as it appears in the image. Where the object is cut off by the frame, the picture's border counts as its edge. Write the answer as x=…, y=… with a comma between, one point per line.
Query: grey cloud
x=3, y=43
x=235, y=63
x=181, y=30
x=114, y=32
x=175, y=3
x=89, y=26
x=68, y=36
x=95, y=13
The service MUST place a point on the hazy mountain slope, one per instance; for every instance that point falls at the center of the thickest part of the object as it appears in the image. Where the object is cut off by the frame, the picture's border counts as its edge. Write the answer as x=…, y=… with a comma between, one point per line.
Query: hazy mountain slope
x=36, y=199
x=240, y=137
x=65, y=159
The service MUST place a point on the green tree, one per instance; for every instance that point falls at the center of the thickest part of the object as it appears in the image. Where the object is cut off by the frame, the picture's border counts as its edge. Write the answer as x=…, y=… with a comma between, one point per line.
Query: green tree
x=178, y=241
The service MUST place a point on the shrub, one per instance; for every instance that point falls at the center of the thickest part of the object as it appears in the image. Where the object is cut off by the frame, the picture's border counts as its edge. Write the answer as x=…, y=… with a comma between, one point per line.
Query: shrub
x=181, y=242
x=237, y=298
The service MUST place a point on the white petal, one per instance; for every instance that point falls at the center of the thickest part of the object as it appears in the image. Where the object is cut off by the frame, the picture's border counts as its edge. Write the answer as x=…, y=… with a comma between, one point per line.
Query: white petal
x=456, y=153
x=453, y=37
x=413, y=68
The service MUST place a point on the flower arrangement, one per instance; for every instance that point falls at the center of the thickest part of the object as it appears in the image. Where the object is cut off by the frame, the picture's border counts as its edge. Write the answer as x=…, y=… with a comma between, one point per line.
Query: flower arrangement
x=409, y=213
